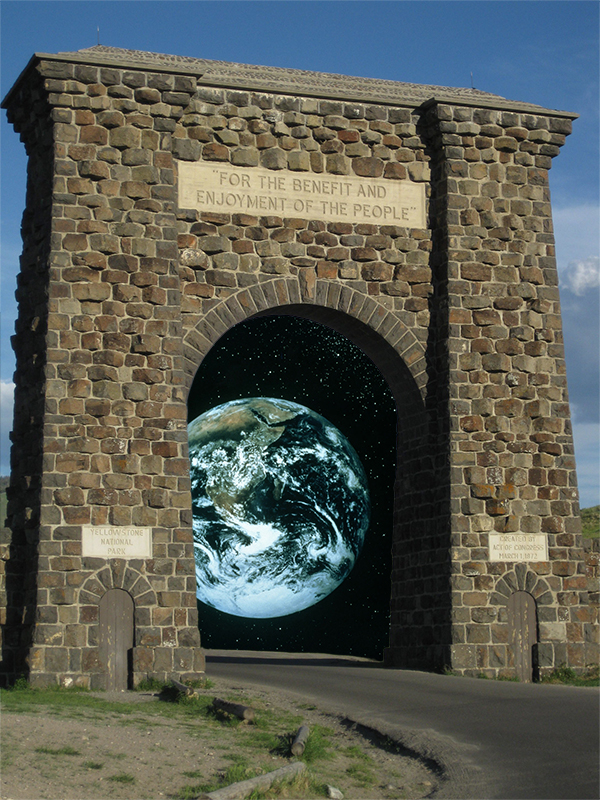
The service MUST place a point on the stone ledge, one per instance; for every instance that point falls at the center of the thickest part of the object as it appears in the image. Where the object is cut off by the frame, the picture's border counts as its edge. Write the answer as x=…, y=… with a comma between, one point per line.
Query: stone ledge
x=293, y=82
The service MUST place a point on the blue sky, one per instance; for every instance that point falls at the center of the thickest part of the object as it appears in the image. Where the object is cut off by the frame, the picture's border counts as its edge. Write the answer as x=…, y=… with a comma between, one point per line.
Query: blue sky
x=536, y=51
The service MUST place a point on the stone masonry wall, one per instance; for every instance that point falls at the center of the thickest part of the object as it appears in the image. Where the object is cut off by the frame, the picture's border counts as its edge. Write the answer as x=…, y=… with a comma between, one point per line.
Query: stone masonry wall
x=236, y=265
x=512, y=464
x=463, y=315
x=591, y=629
x=114, y=435
x=19, y=546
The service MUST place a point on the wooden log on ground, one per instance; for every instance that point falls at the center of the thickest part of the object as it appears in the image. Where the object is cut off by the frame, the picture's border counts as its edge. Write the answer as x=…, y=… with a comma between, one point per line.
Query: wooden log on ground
x=181, y=687
x=237, y=791
x=299, y=742
x=237, y=709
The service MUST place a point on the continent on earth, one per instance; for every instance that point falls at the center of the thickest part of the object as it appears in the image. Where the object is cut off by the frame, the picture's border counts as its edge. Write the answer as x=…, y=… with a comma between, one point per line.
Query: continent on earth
x=280, y=503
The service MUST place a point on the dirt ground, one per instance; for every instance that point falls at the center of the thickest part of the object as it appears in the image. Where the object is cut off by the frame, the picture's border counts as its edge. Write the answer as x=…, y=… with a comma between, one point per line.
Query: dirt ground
x=93, y=754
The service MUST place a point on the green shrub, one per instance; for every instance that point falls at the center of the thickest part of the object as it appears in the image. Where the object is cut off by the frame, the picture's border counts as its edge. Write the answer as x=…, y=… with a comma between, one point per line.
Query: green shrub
x=590, y=522
x=124, y=777
x=569, y=677
x=58, y=751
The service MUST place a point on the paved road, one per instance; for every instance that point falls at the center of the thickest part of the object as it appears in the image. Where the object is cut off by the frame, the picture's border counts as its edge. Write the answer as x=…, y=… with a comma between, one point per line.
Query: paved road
x=494, y=739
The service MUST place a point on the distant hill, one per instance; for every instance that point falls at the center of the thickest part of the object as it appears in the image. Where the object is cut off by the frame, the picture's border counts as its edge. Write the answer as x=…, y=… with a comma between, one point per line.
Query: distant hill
x=590, y=522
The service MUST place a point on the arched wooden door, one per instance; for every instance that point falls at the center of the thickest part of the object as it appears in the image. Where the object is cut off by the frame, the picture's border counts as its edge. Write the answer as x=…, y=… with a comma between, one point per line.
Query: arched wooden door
x=116, y=637
x=522, y=633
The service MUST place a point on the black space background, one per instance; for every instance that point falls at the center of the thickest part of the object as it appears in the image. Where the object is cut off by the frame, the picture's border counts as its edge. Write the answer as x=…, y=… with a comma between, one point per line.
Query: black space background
x=306, y=362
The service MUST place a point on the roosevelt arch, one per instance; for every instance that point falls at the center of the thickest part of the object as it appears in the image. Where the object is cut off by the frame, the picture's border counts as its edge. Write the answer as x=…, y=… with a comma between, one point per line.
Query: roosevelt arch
x=127, y=280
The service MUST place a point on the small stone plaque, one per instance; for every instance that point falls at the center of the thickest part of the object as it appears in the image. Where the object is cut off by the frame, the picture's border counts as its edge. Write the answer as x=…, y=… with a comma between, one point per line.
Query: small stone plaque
x=333, y=198
x=518, y=547
x=118, y=542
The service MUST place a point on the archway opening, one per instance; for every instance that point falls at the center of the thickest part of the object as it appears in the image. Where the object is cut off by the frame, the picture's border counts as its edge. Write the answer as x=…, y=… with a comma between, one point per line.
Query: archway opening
x=301, y=361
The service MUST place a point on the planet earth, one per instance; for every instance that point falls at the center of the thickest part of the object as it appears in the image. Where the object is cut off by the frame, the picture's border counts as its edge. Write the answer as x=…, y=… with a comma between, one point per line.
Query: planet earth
x=280, y=507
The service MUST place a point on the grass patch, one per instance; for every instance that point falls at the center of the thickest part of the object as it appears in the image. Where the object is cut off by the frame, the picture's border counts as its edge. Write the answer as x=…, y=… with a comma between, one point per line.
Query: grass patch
x=58, y=751
x=263, y=740
x=187, y=793
x=124, y=777
x=235, y=773
x=201, y=683
x=354, y=751
x=318, y=745
x=361, y=774
x=75, y=701
x=298, y=786
x=154, y=685
x=568, y=677
x=302, y=785
x=240, y=751
x=240, y=771
x=151, y=685
x=450, y=672
x=590, y=522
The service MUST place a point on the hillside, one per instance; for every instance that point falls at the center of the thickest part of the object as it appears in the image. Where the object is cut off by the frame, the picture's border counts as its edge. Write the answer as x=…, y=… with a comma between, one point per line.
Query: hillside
x=590, y=522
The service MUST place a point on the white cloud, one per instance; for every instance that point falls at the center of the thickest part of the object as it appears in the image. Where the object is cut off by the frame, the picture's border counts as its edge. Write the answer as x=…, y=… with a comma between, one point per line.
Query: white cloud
x=577, y=233
x=6, y=420
x=580, y=305
x=580, y=276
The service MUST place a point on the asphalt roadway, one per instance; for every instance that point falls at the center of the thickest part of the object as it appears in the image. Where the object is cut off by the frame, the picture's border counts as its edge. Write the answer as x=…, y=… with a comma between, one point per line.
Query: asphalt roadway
x=486, y=739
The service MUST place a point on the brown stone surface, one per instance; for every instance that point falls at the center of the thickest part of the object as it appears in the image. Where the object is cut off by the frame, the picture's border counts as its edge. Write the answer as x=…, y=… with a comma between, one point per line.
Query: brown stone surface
x=462, y=318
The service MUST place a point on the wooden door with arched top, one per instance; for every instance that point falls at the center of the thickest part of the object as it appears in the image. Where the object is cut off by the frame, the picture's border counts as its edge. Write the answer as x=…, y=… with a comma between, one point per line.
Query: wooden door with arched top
x=116, y=637
x=522, y=633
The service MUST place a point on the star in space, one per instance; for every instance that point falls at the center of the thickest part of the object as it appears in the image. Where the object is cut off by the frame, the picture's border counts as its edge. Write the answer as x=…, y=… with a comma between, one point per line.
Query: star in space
x=301, y=361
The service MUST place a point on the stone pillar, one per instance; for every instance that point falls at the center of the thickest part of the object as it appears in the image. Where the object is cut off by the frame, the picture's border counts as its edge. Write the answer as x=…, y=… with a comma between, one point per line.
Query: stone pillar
x=107, y=397
x=33, y=120
x=589, y=616
x=511, y=449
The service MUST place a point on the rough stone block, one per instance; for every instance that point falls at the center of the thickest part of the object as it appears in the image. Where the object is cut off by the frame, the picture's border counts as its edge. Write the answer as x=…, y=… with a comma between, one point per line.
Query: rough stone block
x=338, y=164
x=368, y=167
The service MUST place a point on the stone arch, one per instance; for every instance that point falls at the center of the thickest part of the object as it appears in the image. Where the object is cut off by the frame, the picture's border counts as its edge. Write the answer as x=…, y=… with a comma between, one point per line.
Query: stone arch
x=278, y=294
x=409, y=326
x=419, y=628
x=521, y=579
x=117, y=574
x=522, y=619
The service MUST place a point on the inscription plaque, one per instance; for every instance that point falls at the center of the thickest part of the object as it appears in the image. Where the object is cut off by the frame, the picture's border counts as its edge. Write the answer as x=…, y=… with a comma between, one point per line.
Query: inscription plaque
x=116, y=542
x=334, y=198
x=518, y=547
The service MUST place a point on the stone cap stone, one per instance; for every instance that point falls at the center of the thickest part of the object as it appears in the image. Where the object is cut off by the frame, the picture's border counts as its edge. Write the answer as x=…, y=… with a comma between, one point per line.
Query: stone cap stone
x=295, y=82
